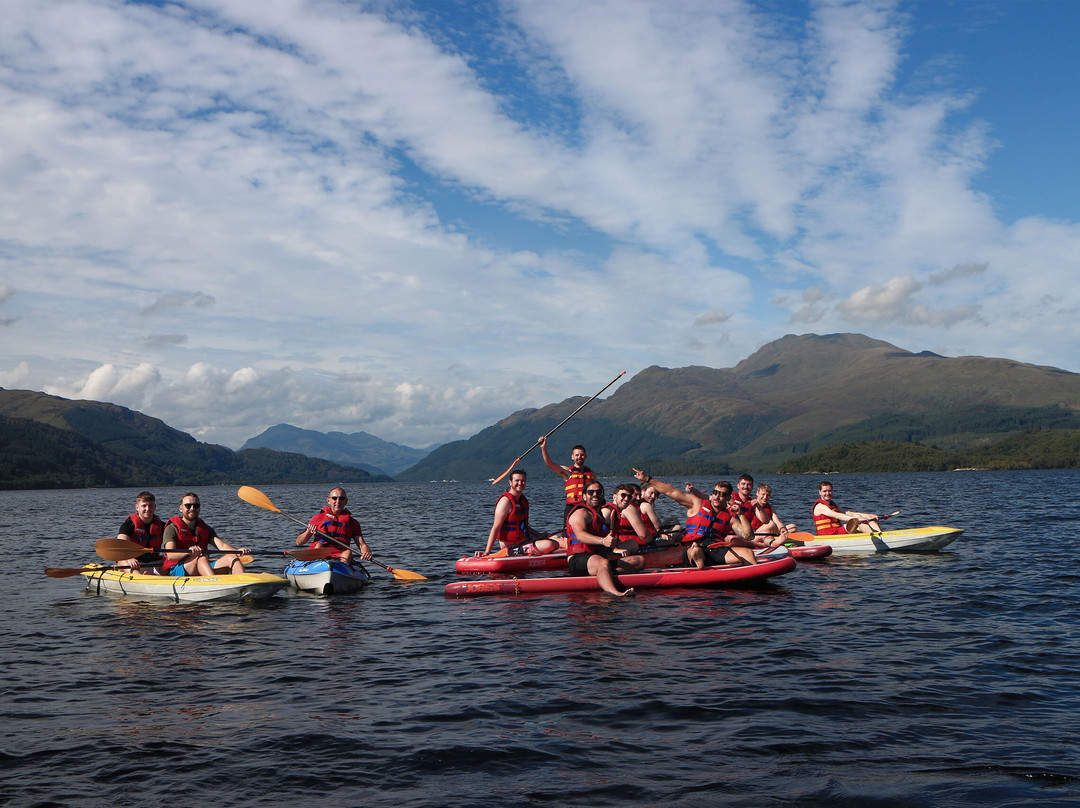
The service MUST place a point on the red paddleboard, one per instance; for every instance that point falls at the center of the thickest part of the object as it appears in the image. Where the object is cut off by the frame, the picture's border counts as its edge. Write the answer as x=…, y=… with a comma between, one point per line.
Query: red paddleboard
x=504, y=564
x=728, y=575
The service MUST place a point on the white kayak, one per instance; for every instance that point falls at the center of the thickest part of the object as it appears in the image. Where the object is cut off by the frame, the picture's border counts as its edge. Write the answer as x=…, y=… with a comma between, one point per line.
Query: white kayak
x=913, y=540
x=326, y=576
x=184, y=588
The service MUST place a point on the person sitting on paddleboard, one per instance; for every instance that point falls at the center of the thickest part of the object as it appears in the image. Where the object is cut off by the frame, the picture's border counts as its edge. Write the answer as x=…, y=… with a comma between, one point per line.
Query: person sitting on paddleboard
x=146, y=528
x=576, y=477
x=511, y=527
x=713, y=534
x=631, y=530
x=186, y=540
x=769, y=530
x=591, y=547
x=742, y=495
x=337, y=521
x=831, y=520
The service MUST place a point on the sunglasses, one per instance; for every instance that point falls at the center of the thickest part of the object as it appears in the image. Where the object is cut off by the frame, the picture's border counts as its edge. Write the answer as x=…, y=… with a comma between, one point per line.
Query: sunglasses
x=596, y=491
x=345, y=498
x=718, y=493
x=191, y=505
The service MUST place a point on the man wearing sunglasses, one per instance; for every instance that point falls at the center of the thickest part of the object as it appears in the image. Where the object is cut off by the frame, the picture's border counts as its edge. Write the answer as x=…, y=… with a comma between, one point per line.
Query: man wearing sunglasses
x=187, y=539
x=713, y=534
x=591, y=547
x=335, y=520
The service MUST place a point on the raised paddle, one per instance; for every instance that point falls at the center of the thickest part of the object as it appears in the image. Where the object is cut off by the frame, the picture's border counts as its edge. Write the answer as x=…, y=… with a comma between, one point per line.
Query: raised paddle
x=253, y=496
x=121, y=550
x=564, y=420
x=69, y=572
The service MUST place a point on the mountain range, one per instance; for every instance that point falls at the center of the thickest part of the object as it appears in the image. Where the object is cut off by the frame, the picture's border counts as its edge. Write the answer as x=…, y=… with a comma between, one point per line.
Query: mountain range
x=52, y=442
x=358, y=449
x=793, y=396
x=791, y=400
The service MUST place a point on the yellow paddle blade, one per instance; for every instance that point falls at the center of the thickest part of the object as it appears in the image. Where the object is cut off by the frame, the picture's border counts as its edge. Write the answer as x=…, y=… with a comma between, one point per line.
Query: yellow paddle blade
x=406, y=575
x=253, y=496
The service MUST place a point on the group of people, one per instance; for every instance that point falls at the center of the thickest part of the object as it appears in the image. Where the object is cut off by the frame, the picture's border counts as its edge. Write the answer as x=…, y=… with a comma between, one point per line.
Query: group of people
x=624, y=535
x=182, y=545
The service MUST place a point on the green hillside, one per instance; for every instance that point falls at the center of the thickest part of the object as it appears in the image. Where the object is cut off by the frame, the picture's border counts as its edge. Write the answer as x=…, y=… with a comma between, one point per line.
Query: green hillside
x=796, y=395
x=52, y=442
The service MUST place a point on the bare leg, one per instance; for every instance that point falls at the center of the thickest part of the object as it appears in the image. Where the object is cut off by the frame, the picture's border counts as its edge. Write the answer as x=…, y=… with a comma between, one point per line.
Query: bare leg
x=600, y=567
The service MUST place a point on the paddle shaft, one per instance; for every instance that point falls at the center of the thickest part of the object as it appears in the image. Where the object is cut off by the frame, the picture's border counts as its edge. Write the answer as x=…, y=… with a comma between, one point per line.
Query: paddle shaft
x=564, y=420
x=122, y=550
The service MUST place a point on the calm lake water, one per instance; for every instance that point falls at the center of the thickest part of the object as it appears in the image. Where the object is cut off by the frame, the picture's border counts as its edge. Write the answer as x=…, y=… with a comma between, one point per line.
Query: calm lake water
x=947, y=679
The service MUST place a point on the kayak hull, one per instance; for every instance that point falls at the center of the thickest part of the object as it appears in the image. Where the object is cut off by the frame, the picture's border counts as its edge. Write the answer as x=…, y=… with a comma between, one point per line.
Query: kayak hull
x=914, y=540
x=728, y=575
x=184, y=588
x=811, y=552
x=326, y=577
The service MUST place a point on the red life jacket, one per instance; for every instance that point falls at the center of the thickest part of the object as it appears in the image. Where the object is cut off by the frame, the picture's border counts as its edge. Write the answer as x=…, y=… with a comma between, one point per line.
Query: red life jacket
x=826, y=525
x=185, y=539
x=594, y=523
x=515, y=529
x=707, y=525
x=576, y=484
x=148, y=537
x=341, y=527
x=755, y=522
x=623, y=530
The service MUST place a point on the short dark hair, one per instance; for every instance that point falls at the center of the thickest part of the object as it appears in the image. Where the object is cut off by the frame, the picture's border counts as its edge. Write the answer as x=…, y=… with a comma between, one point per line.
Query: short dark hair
x=145, y=496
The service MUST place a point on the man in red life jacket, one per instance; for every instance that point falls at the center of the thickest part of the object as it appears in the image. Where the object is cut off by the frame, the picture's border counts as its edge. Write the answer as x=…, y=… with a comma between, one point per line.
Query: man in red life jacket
x=511, y=526
x=576, y=477
x=830, y=519
x=591, y=547
x=743, y=494
x=769, y=530
x=335, y=520
x=714, y=534
x=146, y=528
x=631, y=530
x=186, y=541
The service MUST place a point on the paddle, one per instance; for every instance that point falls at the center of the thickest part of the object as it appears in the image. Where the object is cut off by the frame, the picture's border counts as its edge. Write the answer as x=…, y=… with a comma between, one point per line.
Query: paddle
x=253, y=496
x=564, y=420
x=851, y=525
x=121, y=550
x=69, y=572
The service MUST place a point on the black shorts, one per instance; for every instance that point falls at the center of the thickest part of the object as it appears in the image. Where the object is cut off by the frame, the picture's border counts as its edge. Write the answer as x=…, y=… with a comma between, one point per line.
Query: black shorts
x=578, y=564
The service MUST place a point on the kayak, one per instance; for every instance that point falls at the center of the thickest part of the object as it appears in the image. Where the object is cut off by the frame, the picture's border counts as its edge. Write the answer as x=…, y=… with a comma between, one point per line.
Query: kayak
x=184, y=588
x=326, y=576
x=495, y=563
x=727, y=575
x=913, y=540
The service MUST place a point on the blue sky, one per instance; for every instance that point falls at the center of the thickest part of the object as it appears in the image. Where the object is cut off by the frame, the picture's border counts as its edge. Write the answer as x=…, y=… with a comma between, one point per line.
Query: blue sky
x=413, y=219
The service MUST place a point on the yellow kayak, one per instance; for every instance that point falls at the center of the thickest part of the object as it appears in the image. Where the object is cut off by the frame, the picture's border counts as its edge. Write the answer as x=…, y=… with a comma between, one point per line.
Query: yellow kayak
x=184, y=588
x=914, y=540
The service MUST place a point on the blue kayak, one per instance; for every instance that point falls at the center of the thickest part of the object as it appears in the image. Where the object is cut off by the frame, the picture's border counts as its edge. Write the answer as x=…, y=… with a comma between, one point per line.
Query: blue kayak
x=326, y=576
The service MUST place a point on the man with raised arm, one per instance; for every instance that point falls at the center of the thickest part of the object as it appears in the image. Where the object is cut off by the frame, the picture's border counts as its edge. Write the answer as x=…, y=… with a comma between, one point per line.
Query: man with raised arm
x=713, y=534
x=576, y=477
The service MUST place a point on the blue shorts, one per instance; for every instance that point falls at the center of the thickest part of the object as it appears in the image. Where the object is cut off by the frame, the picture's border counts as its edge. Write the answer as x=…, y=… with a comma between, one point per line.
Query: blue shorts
x=178, y=570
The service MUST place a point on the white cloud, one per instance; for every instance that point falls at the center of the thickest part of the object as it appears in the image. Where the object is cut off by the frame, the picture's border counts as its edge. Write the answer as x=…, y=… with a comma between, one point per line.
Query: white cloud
x=330, y=214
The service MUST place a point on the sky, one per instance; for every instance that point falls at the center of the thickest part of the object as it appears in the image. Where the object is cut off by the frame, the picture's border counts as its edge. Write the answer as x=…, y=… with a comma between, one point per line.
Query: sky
x=415, y=218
